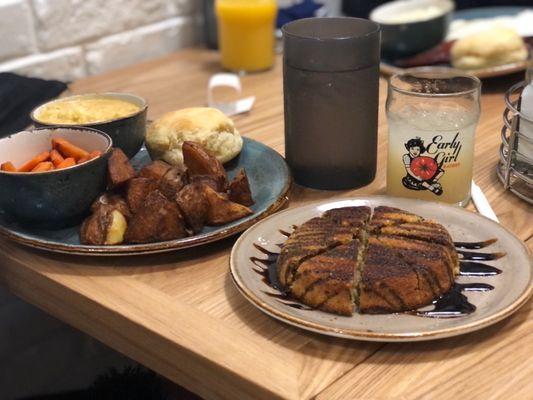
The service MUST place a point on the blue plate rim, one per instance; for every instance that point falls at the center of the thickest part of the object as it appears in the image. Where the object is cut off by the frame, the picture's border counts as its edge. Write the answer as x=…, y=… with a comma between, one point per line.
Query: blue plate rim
x=484, y=12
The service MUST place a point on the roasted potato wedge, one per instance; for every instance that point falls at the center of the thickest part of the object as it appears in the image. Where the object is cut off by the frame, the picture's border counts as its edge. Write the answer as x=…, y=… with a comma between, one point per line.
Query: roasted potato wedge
x=119, y=169
x=106, y=226
x=239, y=189
x=137, y=190
x=94, y=228
x=221, y=210
x=209, y=180
x=116, y=229
x=199, y=162
x=193, y=205
x=156, y=170
x=158, y=219
x=172, y=182
x=113, y=201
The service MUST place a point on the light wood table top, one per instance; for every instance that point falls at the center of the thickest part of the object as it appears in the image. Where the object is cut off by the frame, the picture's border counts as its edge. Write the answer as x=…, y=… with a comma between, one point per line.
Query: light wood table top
x=180, y=314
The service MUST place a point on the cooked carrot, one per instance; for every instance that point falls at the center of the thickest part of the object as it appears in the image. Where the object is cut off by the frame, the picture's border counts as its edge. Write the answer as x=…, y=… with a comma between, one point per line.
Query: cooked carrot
x=43, y=166
x=8, y=166
x=56, y=157
x=67, y=162
x=67, y=149
x=92, y=154
x=55, y=142
x=83, y=159
x=44, y=156
x=95, y=154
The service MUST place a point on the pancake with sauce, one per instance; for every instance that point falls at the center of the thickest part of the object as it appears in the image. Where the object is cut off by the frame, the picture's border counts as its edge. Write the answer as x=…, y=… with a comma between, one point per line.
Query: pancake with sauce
x=326, y=281
x=336, y=227
x=345, y=259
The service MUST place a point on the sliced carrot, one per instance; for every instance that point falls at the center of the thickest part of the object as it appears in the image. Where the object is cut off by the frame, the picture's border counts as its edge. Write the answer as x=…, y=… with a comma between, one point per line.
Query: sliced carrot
x=8, y=166
x=67, y=149
x=43, y=166
x=56, y=157
x=44, y=156
x=67, y=162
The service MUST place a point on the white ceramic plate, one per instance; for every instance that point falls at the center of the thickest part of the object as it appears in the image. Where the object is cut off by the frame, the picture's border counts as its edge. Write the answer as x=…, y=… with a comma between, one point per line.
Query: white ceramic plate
x=512, y=288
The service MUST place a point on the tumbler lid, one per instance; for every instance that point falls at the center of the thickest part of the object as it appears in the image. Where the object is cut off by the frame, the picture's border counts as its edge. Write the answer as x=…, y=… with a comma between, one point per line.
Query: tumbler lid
x=331, y=44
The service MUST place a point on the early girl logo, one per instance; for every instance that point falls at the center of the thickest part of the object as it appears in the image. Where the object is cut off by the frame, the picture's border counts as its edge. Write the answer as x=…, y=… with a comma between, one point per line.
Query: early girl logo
x=445, y=152
x=424, y=171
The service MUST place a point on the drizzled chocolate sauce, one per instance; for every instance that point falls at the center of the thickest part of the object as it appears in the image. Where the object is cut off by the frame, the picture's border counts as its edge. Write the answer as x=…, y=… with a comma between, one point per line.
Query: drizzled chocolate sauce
x=474, y=287
x=468, y=265
x=469, y=268
x=265, y=265
x=267, y=270
x=475, y=245
x=284, y=233
x=450, y=305
x=454, y=303
x=287, y=300
x=472, y=255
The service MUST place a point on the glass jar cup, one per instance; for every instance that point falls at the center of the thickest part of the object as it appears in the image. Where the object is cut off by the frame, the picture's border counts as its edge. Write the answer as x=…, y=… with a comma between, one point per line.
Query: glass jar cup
x=432, y=115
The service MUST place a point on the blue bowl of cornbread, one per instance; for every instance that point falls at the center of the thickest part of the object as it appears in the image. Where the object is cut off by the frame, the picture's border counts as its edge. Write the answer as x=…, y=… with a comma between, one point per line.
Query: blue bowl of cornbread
x=121, y=115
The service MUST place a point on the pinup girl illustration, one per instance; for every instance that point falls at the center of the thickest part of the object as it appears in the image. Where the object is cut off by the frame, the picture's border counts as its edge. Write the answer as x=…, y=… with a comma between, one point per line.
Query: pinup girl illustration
x=423, y=172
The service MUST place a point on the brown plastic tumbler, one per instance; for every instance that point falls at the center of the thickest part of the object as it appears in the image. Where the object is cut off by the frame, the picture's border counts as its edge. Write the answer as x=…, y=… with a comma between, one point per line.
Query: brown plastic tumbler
x=331, y=86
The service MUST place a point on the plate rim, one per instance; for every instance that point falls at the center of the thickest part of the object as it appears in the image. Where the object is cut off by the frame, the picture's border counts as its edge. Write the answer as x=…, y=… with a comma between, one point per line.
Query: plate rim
x=159, y=247
x=482, y=73
x=371, y=335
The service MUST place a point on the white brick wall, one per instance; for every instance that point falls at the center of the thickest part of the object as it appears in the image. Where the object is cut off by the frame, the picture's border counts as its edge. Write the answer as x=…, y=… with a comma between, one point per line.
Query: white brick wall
x=17, y=29
x=68, y=39
x=142, y=43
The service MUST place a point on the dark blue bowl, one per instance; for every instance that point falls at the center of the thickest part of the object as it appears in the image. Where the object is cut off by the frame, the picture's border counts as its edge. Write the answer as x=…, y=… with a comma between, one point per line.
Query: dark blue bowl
x=126, y=132
x=57, y=198
x=402, y=39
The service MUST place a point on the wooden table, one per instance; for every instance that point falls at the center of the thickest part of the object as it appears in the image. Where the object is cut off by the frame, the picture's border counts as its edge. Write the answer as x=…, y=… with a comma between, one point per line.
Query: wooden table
x=181, y=315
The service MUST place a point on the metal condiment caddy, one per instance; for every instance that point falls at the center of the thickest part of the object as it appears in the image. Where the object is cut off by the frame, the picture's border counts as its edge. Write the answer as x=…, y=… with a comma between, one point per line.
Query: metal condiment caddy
x=515, y=168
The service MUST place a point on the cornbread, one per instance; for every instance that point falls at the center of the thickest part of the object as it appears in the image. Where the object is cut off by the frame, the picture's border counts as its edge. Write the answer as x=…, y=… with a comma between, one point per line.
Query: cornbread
x=383, y=261
x=82, y=110
x=495, y=46
x=208, y=127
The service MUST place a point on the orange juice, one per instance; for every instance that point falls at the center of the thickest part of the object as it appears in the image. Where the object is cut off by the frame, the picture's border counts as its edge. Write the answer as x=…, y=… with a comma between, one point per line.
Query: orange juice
x=246, y=34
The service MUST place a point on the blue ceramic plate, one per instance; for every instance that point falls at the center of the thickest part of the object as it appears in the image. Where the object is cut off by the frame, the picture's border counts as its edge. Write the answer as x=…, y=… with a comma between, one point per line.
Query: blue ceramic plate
x=488, y=12
x=387, y=68
x=269, y=180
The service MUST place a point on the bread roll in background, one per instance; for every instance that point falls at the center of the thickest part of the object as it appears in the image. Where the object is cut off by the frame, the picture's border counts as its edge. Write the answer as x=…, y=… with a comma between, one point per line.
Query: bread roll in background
x=495, y=46
x=206, y=126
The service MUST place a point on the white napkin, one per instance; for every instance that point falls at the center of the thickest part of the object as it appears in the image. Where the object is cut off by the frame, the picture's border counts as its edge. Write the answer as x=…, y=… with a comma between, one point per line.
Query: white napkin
x=233, y=107
x=482, y=204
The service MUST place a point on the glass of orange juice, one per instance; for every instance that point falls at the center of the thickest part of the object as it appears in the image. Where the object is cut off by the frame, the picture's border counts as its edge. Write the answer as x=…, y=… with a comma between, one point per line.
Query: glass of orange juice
x=432, y=116
x=246, y=34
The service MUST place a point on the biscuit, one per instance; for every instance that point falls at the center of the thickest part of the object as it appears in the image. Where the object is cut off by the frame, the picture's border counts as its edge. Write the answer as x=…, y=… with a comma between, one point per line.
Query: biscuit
x=206, y=126
x=496, y=46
